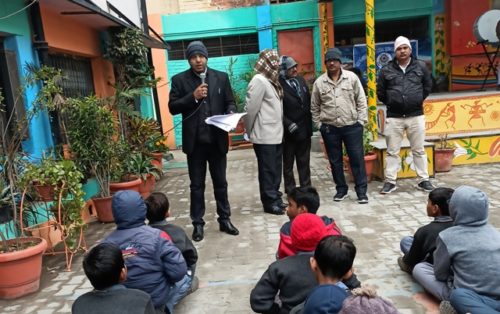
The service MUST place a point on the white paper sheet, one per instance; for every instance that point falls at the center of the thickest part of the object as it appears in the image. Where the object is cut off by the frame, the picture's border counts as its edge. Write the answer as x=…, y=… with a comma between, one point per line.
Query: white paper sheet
x=226, y=122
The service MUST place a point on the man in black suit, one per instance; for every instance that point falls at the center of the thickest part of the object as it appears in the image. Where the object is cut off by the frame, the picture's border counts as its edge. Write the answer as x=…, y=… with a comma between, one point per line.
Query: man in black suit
x=198, y=93
x=298, y=124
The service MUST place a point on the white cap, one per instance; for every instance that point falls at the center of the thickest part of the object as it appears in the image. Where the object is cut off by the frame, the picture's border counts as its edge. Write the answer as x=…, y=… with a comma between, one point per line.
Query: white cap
x=401, y=40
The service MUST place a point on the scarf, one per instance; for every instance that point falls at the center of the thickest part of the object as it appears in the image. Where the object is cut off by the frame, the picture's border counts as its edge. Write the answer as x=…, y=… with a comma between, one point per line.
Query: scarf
x=268, y=65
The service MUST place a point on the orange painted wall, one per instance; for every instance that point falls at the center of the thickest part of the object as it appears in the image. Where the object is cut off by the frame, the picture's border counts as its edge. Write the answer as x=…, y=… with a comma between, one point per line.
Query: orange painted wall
x=161, y=71
x=66, y=36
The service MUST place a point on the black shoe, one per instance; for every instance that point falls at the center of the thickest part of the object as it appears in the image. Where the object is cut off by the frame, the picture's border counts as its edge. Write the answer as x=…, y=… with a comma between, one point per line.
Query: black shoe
x=340, y=196
x=198, y=233
x=363, y=199
x=404, y=267
x=425, y=186
x=282, y=205
x=227, y=227
x=274, y=210
x=388, y=188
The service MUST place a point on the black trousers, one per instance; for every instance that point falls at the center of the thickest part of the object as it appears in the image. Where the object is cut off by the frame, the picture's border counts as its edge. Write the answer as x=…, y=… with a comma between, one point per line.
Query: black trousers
x=197, y=166
x=269, y=161
x=352, y=138
x=298, y=151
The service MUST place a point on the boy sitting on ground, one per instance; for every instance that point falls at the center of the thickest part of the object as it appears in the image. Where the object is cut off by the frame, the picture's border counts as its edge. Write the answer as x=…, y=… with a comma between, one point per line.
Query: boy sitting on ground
x=421, y=246
x=104, y=267
x=154, y=263
x=290, y=279
x=331, y=263
x=158, y=210
x=302, y=200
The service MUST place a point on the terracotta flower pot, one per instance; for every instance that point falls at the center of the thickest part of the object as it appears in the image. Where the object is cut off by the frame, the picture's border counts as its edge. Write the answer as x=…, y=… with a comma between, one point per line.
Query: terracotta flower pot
x=103, y=209
x=370, y=159
x=20, y=271
x=46, y=192
x=133, y=185
x=157, y=159
x=443, y=159
x=147, y=186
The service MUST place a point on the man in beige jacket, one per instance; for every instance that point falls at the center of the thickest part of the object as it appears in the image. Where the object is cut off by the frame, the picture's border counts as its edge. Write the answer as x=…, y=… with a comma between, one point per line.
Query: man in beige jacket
x=339, y=109
x=264, y=126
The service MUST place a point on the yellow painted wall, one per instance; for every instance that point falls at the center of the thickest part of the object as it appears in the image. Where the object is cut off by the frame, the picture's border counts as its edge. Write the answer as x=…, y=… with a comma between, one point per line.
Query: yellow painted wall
x=482, y=149
x=462, y=115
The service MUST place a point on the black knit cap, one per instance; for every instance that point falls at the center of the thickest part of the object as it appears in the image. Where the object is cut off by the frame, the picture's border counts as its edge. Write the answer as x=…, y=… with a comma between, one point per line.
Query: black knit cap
x=333, y=54
x=196, y=47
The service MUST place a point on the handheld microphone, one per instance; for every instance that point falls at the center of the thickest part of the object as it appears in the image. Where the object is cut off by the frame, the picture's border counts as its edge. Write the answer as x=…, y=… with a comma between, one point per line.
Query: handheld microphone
x=203, y=76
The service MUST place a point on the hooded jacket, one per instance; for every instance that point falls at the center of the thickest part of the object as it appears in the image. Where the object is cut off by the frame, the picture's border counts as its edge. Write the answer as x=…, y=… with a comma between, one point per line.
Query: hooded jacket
x=153, y=263
x=468, y=254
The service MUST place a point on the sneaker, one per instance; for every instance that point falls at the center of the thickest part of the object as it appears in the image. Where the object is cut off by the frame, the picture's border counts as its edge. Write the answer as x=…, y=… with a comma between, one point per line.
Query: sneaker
x=388, y=188
x=363, y=199
x=340, y=196
x=425, y=186
x=404, y=267
x=446, y=308
x=195, y=283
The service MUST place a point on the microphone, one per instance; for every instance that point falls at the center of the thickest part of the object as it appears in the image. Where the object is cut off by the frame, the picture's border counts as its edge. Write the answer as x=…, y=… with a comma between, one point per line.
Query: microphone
x=203, y=76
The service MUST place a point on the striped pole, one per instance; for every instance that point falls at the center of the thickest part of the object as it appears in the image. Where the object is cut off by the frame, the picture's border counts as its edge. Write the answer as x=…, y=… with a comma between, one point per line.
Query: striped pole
x=370, y=66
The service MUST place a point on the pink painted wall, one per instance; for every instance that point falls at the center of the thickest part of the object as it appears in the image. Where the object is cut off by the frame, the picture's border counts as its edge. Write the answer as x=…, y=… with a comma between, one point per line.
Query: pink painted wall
x=65, y=35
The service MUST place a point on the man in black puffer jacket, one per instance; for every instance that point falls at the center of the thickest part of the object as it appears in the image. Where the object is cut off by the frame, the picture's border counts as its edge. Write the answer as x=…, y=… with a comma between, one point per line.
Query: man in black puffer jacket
x=403, y=85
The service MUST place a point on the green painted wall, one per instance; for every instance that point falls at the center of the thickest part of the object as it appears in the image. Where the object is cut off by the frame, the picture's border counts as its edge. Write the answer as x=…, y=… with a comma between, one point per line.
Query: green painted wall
x=210, y=24
x=15, y=24
x=353, y=11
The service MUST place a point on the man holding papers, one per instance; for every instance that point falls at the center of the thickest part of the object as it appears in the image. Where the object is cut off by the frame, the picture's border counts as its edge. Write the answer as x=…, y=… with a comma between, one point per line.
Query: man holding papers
x=198, y=93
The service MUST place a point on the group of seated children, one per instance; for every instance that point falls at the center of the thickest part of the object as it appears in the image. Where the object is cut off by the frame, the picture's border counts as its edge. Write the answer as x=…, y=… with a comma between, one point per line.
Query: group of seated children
x=314, y=271
x=159, y=260
x=456, y=257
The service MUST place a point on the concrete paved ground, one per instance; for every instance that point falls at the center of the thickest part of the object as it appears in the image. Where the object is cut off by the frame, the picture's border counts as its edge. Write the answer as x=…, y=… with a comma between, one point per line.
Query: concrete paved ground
x=229, y=266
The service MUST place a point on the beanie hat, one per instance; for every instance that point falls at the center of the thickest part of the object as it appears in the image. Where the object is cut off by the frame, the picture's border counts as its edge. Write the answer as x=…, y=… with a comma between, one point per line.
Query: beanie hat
x=306, y=232
x=333, y=54
x=196, y=47
x=401, y=40
x=365, y=300
x=286, y=63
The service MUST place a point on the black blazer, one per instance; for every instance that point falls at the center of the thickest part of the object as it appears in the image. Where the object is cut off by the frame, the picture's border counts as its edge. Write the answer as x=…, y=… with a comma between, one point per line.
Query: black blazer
x=297, y=109
x=182, y=101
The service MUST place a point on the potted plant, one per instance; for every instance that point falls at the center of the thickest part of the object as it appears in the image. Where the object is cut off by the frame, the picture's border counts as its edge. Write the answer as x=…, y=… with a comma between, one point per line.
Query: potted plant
x=141, y=165
x=443, y=154
x=21, y=256
x=369, y=156
x=91, y=131
x=156, y=146
x=122, y=178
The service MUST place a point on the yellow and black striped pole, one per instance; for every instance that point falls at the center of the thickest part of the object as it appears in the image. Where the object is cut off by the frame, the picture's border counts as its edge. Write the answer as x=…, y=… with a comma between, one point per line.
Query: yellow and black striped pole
x=370, y=66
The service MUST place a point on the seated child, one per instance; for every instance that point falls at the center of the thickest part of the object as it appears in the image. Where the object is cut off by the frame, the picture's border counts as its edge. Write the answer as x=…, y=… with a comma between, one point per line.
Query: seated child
x=290, y=279
x=421, y=246
x=158, y=210
x=154, y=263
x=301, y=200
x=331, y=263
x=365, y=300
x=104, y=267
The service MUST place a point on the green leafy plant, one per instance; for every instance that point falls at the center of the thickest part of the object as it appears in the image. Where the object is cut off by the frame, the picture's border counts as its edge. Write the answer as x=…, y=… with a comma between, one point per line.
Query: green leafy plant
x=444, y=143
x=91, y=130
x=140, y=165
x=367, y=139
x=156, y=143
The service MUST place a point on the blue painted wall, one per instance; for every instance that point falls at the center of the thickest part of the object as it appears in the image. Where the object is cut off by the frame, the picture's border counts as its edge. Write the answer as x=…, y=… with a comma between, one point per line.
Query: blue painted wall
x=40, y=138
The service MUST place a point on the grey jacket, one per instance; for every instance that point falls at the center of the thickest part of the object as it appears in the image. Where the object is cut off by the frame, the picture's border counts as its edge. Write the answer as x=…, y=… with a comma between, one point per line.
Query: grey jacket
x=264, y=118
x=468, y=254
x=339, y=104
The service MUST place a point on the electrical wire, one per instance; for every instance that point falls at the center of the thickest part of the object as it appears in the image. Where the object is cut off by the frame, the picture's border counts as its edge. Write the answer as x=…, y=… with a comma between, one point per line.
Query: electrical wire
x=18, y=11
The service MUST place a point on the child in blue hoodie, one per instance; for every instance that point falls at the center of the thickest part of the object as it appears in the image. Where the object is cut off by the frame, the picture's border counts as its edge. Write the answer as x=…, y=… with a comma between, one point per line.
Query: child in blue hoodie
x=332, y=263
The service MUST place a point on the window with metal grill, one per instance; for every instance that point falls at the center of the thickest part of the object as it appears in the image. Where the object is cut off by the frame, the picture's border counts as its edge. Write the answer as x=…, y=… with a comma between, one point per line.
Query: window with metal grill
x=218, y=46
x=77, y=75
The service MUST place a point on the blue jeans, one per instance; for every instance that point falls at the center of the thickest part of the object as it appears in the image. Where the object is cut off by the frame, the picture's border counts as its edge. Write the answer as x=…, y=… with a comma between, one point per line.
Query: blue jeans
x=405, y=244
x=352, y=138
x=178, y=291
x=467, y=301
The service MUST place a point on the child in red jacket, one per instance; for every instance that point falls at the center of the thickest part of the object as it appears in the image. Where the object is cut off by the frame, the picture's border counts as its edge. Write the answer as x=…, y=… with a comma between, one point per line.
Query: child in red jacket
x=302, y=200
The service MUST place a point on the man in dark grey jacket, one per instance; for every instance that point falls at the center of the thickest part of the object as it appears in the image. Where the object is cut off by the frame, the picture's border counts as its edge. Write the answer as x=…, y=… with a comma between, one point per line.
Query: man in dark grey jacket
x=402, y=86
